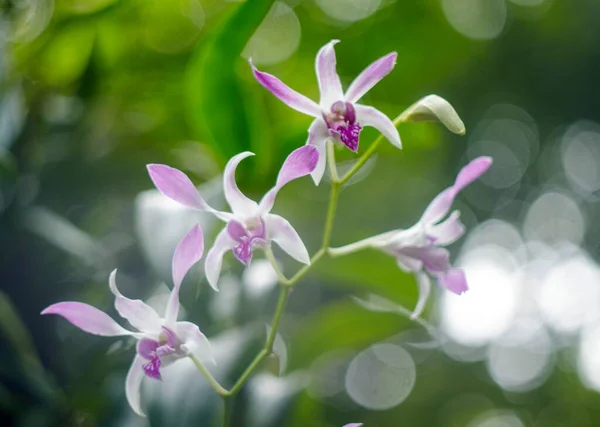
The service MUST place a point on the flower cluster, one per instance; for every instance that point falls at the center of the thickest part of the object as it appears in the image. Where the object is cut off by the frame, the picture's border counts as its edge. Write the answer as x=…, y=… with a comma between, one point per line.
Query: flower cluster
x=251, y=226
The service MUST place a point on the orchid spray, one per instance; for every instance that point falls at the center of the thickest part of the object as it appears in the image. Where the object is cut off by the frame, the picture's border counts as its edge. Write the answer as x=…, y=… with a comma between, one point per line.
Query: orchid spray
x=250, y=227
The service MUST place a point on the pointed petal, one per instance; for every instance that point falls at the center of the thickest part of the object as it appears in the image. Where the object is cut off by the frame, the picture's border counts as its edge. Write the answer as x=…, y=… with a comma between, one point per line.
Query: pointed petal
x=449, y=231
x=434, y=108
x=369, y=116
x=188, y=252
x=424, y=284
x=301, y=162
x=139, y=314
x=329, y=81
x=195, y=341
x=370, y=77
x=454, y=280
x=87, y=318
x=439, y=207
x=214, y=258
x=281, y=232
x=176, y=185
x=133, y=385
x=354, y=425
x=471, y=172
x=240, y=204
x=286, y=94
x=318, y=134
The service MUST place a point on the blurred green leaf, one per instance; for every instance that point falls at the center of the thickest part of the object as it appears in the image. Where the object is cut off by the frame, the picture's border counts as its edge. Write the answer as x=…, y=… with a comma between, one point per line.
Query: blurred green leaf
x=218, y=107
x=342, y=324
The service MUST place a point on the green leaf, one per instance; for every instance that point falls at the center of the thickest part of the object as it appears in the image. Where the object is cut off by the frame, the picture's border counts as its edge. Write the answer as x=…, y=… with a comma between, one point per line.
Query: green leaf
x=219, y=109
x=343, y=324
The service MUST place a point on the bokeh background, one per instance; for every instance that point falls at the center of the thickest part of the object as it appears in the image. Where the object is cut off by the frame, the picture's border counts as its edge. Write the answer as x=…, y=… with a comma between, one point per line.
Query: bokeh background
x=92, y=90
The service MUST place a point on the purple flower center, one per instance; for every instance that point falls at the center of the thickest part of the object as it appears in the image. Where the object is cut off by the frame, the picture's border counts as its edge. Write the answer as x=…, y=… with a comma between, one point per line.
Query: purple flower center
x=342, y=124
x=151, y=350
x=247, y=237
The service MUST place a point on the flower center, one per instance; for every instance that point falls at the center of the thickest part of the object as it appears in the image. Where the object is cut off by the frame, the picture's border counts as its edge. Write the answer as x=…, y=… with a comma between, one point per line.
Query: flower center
x=154, y=351
x=247, y=236
x=341, y=122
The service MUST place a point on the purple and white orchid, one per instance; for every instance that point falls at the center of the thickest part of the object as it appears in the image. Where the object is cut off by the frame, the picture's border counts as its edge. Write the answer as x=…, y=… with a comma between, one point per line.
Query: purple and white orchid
x=420, y=249
x=160, y=340
x=338, y=114
x=250, y=225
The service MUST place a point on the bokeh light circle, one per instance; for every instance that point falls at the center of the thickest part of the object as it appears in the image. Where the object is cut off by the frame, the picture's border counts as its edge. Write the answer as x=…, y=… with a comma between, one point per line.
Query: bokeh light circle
x=476, y=19
x=349, y=10
x=381, y=377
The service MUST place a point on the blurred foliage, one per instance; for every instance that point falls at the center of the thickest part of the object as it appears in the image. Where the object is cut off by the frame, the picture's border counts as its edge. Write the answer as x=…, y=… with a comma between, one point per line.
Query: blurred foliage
x=92, y=90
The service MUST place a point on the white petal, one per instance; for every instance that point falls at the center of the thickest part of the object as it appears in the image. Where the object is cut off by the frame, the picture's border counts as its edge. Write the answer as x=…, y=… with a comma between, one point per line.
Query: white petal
x=195, y=341
x=214, y=258
x=188, y=252
x=133, y=385
x=318, y=134
x=139, y=314
x=434, y=108
x=281, y=232
x=369, y=116
x=240, y=204
x=329, y=81
x=449, y=231
x=424, y=284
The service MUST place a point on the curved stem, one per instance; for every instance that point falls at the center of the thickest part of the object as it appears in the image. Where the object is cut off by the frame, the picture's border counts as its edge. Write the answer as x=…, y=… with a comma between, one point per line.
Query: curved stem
x=211, y=380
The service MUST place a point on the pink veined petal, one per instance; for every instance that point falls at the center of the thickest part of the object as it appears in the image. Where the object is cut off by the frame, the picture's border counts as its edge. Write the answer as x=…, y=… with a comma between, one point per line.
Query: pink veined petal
x=240, y=204
x=449, y=231
x=369, y=116
x=454, y=280
x=195, y=341
x=424, y=284
x=318, y=134
x=87, y=318
x=139, y=314
x=370, y=77
x=286, y=94
x=280, y=231
x=471, y=172
x=214, y=258
x=301, y=162
x=177, y=186
x=327, y=76
x=133, y=385
x=188, y=252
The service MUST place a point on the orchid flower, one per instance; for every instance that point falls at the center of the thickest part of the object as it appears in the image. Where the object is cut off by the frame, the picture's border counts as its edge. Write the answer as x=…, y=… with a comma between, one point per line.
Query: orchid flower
x=420, y=249
x=338, y=114
x=353, y=425
x=160, y=340
x=250, y=225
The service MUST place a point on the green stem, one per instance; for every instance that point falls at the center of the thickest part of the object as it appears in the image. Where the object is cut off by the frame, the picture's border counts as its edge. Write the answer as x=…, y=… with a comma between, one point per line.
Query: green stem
x=362, y=160
x=227, y=403
x=211, y=380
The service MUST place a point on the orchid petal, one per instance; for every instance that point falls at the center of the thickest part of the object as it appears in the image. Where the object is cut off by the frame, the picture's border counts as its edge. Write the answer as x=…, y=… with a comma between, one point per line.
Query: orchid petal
x=369, y=116
x=329, y=81
x=195, y=341
x=471, y=172
x=214, y=258
x=434, y=259
x=188, y=252
x=87, y=318
x=439, y=207
x=449, y=231
x=370, y=77
x=281, y=232
x=240, y=204
x=424, y=284
x=454, y=280
x=408, y=264
x=286, y=94
x=146, y=348
x=140, y=315
x=318, y=134
x=177, y=186
x=354, y=425
x=301, y=162
x=434, y=108
x=133, y=385
x=236, y=230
